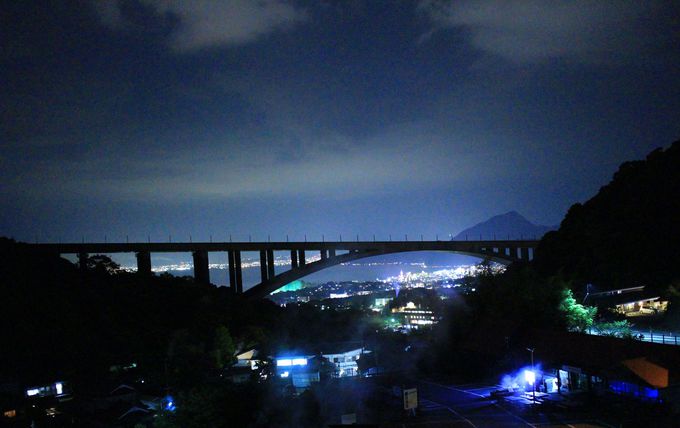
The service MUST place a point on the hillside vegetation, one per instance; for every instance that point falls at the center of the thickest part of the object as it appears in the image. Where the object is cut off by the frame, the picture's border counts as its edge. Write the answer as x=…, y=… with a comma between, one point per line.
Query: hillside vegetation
x=628, y=234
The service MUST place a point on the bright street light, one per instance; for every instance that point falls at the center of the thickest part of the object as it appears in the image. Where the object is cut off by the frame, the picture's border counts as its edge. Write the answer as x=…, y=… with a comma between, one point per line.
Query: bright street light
x=531, y=378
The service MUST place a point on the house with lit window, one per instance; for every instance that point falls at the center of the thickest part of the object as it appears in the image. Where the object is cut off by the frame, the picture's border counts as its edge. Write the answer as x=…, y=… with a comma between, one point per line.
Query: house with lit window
x=56, y=389
x=297, y=369
x=247, y=362
x=630, y=302
x=343, y=357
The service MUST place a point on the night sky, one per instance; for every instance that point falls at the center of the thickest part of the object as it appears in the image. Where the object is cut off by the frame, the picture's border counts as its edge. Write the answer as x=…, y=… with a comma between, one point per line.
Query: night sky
x=153, y=118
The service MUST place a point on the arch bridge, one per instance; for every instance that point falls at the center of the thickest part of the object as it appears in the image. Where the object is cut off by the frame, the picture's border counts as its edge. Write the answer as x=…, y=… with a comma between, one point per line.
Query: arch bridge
x=301, y=265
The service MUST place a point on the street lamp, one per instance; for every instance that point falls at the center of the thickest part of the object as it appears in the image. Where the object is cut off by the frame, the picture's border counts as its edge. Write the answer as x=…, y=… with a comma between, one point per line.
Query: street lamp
x=532, y=378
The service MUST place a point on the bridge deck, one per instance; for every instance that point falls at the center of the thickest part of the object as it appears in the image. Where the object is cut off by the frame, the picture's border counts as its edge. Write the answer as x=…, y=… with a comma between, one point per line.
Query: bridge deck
x=178, y=247
x=503, y=251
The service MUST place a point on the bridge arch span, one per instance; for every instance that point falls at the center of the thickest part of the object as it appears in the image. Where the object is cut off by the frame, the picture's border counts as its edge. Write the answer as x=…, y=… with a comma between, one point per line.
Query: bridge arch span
x=272, y=284
x=501, y=251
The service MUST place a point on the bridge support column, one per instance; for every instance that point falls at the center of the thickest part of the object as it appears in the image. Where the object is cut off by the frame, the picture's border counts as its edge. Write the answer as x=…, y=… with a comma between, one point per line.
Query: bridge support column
x=201, y=268
x=324, y=254
x=301, y=257
x=143, y=263
x=263, y=265
x=271, y=272
x=524, y=253
x=331, y=253
x=232, y=271
x=239, y=272
x=293, y=259
x=82, y=261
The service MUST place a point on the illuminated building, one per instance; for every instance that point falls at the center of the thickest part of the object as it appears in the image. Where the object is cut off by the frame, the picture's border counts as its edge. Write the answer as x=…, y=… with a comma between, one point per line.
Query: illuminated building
x=300, y=370
x=414, y=316
x=52, y=390
x=381, y=302
x=344, y=358
x=631, y=302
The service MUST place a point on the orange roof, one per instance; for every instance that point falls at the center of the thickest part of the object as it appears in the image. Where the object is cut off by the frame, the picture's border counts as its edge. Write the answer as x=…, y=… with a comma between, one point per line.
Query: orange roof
x=651, y=373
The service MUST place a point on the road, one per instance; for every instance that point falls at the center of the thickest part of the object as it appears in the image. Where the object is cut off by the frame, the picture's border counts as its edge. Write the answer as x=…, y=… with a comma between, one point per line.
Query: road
x=470, y=406
x=467, y=405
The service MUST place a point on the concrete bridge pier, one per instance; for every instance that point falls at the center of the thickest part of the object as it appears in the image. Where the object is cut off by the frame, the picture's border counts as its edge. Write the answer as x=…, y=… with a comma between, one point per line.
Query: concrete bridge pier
x=263, y=265
x=201, y=267
x=267, y=270
x=235, y=272
x=82, y=261
x=143, y=263
x=271, y=271
x=524, y=253
x=293, y=259
x=239, y=272
x=232, y=271
x=301, y=258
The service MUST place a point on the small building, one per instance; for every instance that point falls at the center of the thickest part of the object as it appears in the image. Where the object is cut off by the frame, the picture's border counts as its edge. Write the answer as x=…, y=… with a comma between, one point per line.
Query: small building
x=57, y=389
x=297, y=369
x=380, y=303
x=631, y=302
x=415, y=317
x=248, y=358
x=344, y=358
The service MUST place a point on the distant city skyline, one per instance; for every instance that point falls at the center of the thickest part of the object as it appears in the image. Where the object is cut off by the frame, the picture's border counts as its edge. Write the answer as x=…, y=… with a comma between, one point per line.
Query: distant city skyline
x=146, y=119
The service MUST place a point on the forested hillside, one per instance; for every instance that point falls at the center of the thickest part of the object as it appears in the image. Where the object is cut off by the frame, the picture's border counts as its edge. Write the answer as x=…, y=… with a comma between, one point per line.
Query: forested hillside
x=628, y=234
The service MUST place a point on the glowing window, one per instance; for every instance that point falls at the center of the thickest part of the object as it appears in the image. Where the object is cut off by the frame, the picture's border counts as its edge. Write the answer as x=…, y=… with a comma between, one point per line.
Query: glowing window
x=287, y=362
x=59, y=387
x=32, y=392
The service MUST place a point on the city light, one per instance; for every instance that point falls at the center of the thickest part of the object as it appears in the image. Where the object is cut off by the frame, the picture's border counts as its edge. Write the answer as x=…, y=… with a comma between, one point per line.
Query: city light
x=529, y=377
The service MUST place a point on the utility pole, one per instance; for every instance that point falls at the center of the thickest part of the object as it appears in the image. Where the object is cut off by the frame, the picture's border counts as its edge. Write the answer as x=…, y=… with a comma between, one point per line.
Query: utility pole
x=533, y=384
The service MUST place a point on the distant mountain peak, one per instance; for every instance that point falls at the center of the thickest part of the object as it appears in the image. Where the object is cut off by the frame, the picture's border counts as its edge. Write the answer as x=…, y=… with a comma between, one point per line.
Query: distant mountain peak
x=510, y=225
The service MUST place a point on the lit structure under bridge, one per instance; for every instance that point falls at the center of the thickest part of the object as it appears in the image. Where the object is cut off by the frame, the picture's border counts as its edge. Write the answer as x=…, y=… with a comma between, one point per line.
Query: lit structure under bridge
x=331, y=254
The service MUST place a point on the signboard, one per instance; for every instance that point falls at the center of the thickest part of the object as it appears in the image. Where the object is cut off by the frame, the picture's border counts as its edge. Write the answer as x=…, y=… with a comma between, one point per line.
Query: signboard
x=411, y=398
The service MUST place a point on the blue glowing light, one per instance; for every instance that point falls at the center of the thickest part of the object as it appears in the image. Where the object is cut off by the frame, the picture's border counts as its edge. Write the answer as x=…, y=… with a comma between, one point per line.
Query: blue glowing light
x=169, y=404
x=288, y=362
x=627, y=388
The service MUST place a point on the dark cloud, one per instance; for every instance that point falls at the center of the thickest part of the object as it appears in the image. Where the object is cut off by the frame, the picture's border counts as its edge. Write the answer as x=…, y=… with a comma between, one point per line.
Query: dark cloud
x=202, y=24
x=536, y=31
